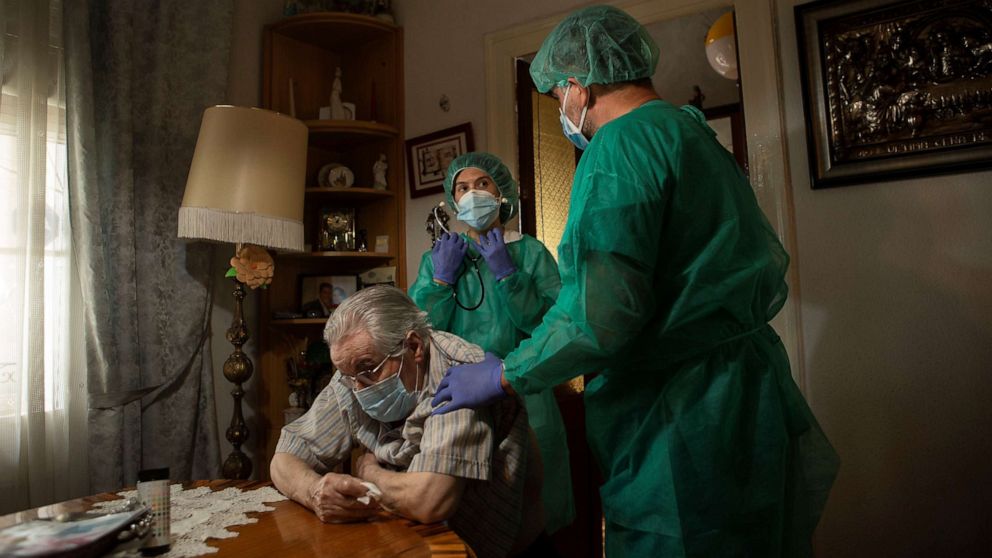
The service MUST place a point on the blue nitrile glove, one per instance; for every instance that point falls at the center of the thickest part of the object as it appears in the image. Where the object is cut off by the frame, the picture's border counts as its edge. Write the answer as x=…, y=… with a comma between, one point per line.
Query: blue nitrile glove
x=493, y=249
x=447, y=257
x=470, y=386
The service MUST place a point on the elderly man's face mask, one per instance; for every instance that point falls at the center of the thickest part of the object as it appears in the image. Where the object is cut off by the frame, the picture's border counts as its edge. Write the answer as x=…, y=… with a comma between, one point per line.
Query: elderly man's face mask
x=371, y=376
x=385, y=400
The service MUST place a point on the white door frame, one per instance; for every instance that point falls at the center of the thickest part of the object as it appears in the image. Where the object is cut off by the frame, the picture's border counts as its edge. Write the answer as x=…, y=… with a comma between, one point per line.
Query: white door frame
x=761, y=79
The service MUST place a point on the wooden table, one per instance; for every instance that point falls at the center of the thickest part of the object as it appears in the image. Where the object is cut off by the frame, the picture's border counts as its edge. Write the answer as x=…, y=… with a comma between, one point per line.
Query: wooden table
x=294, y=531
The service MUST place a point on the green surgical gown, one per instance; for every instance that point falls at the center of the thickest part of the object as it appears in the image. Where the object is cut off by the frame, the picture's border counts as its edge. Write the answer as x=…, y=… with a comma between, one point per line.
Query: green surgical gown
x=670, y=274
x=510, y=311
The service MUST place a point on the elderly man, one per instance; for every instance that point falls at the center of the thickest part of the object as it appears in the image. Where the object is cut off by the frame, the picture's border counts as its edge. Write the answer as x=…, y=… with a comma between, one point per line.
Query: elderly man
x=477, y=469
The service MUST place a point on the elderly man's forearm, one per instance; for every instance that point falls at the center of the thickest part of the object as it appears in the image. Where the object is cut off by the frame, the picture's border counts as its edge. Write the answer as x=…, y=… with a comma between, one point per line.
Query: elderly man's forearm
x=423, y=497
x=293, y=477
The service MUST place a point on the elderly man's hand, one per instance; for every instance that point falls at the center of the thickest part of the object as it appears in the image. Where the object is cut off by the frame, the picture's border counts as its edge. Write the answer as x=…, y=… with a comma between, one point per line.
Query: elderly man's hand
x=333, y=498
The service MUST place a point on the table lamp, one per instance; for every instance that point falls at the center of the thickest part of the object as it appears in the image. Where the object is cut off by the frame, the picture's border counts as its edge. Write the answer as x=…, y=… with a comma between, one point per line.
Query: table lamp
x=245, y=187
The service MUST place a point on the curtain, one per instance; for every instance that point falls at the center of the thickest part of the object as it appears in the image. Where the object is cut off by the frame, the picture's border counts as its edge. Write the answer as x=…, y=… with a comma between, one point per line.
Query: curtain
x=139, y=75
x=42, y=387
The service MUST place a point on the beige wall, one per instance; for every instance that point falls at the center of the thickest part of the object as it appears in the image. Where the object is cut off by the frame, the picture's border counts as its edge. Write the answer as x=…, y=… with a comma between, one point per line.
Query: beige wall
x=896, y=286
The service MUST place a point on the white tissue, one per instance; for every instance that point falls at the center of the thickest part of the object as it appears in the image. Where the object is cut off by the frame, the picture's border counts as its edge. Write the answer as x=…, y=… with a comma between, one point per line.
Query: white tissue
x=373, y=494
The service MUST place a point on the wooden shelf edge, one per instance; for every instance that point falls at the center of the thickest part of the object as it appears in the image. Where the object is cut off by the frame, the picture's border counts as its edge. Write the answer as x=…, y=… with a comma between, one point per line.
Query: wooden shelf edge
x=353, y=191
x=342, y=255
x=298, y=321
x=286, y=25
x=361, y=127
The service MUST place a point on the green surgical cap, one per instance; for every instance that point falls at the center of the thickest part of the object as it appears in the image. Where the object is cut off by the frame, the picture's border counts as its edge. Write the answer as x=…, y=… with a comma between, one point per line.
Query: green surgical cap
x=598, y=44
x=493, y=167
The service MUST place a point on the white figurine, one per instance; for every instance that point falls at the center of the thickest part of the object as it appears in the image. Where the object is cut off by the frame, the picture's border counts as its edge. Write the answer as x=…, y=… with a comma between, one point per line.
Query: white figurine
x=338, y=110
x=379, y=173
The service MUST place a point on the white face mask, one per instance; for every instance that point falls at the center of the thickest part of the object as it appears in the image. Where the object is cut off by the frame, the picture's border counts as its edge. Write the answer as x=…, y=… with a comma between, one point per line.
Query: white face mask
x=389, y=400
x=571, y=131
x=478, y=209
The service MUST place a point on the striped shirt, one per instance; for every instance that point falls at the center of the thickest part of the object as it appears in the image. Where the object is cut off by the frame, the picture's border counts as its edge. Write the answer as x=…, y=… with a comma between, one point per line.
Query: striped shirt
x=488, y=447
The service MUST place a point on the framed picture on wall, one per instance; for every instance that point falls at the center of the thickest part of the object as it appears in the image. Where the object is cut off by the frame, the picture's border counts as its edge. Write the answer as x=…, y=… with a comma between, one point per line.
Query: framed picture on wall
x=895, y=89
x=428, y=156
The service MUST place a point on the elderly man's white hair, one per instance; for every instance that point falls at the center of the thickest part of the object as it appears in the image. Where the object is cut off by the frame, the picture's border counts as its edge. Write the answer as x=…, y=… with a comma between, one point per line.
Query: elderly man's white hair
x=385, y=312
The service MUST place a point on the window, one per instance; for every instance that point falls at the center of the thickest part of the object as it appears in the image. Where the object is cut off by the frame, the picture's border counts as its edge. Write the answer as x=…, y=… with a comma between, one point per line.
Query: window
x=547, y=163
x=42, y=388
x=35, y=240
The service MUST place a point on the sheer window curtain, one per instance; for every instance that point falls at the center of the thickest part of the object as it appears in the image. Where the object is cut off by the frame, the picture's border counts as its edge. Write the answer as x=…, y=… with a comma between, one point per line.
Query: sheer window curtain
x=42, y=380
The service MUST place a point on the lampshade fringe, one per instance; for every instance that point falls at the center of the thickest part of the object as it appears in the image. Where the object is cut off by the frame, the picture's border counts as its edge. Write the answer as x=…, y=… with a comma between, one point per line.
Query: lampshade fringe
x=245, y=228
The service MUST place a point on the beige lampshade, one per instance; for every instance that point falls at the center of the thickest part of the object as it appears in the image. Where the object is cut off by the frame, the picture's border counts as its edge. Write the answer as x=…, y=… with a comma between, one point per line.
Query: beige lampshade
x=247, y=179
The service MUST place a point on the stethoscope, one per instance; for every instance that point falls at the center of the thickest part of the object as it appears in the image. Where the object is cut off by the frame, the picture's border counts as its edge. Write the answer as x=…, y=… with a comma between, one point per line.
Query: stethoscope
x=446, y=354
x=474, y=260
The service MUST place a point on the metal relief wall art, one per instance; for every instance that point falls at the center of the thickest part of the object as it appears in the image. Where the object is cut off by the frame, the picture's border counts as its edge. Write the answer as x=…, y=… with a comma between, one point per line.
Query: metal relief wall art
x=895, y=89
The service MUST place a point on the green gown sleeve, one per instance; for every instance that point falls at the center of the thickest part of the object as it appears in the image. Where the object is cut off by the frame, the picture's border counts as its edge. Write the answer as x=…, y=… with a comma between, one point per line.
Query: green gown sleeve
x=606, y=260
x=529, y=292
x=433, y=298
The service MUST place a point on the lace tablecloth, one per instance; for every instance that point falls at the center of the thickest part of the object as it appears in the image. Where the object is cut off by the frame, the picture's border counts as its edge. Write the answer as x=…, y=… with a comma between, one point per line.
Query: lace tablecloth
x=199, y=514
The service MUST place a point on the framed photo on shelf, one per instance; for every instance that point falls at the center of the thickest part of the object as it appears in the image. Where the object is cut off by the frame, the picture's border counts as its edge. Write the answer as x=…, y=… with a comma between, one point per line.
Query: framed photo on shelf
x=428, y=156
x=321, y=294
x=895, y=89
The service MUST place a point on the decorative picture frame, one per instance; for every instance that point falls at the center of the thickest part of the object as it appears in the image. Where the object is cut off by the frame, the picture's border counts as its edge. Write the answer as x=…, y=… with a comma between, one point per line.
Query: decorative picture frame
x=342, y=286
x=895, y=89
x=428, y=156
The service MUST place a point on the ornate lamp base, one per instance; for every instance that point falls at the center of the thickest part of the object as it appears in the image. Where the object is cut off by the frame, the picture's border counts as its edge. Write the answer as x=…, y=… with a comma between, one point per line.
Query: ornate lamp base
x=237, y=369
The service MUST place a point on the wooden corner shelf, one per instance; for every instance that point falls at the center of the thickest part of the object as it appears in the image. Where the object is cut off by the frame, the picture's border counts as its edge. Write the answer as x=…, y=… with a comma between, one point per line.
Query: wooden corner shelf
x=298, y=321
x=354, y=127
x=337, y=134
x=334, y=30
x=301, y=59
x=341, y=255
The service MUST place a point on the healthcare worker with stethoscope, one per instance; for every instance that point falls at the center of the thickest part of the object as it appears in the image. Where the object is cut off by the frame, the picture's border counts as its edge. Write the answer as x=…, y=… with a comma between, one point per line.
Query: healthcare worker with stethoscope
x=491, y=287
x=670, y=274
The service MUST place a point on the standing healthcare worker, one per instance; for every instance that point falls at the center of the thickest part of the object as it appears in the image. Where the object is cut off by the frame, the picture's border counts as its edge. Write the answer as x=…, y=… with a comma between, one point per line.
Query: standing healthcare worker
x=670, y=274
x=494, y=294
